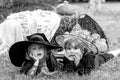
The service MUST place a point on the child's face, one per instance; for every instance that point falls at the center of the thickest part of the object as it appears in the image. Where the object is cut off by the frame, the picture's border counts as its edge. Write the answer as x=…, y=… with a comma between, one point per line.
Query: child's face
x=37, y=51
x=73, y=52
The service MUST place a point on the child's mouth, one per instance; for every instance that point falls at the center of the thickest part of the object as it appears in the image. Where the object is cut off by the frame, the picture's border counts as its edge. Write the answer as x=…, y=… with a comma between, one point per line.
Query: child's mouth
x=71, y=55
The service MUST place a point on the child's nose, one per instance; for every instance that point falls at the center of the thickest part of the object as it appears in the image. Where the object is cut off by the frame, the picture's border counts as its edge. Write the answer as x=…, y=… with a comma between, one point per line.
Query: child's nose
x=72, y=51
x=37, y=50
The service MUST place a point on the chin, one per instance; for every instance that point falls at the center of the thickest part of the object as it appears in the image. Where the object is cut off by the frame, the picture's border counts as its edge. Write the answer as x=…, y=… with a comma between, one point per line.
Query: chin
x=71, y=59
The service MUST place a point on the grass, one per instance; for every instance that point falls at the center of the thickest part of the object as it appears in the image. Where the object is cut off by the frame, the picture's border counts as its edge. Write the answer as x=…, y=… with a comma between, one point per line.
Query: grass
x=108, y=19
x=108, y=71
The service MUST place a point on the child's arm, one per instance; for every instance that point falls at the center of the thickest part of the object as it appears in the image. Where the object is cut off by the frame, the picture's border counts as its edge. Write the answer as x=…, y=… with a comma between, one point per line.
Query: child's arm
x=102, y=58
x=51, y=62
x=88, y=64
x=27, y=65
x=30, y=68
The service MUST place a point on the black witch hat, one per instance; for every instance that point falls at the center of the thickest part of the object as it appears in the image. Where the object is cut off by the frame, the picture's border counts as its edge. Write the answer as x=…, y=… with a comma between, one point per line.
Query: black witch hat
x=18, y=50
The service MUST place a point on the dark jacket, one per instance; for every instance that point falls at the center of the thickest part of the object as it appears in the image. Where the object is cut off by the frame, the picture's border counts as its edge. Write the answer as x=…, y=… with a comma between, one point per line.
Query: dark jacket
x=28, y=65
x=50, y=61
x=85, y=65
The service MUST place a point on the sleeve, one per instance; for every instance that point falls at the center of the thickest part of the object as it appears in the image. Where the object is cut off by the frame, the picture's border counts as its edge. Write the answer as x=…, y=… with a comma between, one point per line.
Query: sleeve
x=51, y=62
x=102, y=58
x=27, y=65
x=88, y=64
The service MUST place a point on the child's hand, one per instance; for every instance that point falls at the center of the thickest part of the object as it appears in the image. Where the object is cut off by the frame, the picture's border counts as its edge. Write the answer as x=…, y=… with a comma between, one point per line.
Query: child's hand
x=34, y=57
x=36, y=63
x=46, y=71
x=32, y=71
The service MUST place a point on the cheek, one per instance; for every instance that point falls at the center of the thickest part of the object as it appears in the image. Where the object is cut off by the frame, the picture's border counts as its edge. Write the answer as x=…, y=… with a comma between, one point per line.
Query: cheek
x=67, y=52
x=33, y=53
x=81, y=55
x=79, y=52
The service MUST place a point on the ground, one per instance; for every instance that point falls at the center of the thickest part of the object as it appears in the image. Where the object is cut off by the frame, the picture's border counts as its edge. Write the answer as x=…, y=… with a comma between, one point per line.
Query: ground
x=109, y=19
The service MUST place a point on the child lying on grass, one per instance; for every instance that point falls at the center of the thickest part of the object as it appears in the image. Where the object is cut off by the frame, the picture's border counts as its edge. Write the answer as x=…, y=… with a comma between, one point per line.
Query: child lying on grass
x=33, y=56
x=80, y=58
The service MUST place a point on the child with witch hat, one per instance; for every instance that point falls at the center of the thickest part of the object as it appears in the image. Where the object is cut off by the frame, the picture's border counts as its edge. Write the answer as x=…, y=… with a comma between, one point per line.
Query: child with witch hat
x=33, y=55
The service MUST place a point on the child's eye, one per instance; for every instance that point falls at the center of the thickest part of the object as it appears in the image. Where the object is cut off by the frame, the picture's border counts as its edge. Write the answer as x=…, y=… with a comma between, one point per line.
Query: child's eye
x=33, y=48
x=69, y=48
x=75, y=47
